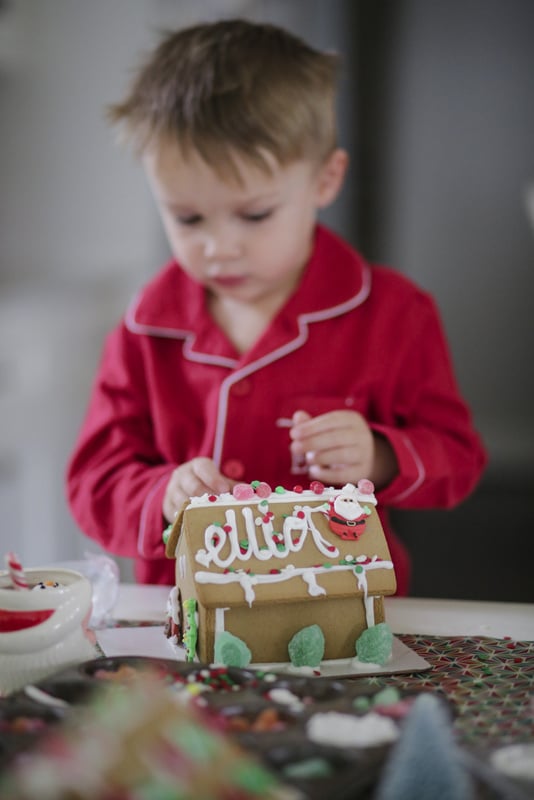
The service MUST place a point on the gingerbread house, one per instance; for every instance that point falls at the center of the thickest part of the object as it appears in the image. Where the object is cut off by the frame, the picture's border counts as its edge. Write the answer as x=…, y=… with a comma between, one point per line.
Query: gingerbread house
x=264, y=564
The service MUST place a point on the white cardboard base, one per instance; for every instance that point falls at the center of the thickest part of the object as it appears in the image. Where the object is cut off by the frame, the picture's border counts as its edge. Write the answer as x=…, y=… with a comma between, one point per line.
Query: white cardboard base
x=151, y=641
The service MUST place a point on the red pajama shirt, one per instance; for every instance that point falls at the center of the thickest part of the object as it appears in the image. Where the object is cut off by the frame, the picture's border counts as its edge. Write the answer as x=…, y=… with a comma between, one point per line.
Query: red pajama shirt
x=170, y=387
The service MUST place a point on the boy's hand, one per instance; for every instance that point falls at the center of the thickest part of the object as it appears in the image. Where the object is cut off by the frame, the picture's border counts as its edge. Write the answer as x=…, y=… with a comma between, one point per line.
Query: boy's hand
x=340, y=447
x=195, y=477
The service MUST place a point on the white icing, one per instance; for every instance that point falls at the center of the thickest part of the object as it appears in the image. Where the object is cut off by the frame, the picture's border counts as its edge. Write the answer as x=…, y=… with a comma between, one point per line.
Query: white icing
x=314, y=589
x=344, y=730
x=182, y=566
x=286, y=698
x=307, y=671
x=172, y=605
x=515, y=760
x=369, y=610
x=226, y=498
x=219, y=620
x=367, y=666
x=225, y=538
x=307, y=573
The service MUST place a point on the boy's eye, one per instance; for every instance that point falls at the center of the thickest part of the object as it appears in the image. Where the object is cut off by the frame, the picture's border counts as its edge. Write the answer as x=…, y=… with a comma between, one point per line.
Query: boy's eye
x=191, y=219
x=261, y=215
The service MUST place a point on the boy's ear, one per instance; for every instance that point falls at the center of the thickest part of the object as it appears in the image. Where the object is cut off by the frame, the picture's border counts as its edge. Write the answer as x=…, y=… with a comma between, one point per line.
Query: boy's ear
x=331, y=176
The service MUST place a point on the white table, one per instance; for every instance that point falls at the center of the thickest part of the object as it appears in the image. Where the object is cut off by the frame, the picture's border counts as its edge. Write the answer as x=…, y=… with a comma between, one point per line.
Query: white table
x=404, y=614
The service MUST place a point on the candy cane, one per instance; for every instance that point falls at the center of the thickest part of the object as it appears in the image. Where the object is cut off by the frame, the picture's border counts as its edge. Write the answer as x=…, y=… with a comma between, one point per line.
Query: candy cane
x=16, y=572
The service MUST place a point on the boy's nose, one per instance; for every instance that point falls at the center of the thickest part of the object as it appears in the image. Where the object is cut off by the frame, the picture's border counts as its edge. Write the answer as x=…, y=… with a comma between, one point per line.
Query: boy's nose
x=222, y=246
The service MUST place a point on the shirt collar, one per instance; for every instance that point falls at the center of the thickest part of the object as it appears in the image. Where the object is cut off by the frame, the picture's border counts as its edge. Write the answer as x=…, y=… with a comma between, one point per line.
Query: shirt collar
x=172, y=305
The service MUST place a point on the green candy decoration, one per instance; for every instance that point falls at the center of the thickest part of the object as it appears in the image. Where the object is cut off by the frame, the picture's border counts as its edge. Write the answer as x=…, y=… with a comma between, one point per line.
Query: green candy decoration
x=374, y=645
x=190, y=628
x=231, y=651
x=306, y=648
x=253, y=778
x=387, y=696
x=166, y=533
x=362, y=704
x=309, y=768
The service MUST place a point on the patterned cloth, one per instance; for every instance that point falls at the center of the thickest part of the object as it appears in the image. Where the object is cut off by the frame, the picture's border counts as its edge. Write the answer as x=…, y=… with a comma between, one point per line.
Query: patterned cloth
x=489, y=683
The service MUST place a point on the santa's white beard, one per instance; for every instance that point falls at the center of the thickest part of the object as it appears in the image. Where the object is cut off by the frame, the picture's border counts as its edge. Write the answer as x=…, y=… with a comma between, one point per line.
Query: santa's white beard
x=347, y=509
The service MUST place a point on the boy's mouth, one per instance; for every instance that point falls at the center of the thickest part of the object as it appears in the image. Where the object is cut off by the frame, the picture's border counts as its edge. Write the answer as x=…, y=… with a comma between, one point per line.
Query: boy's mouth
x=229, y=281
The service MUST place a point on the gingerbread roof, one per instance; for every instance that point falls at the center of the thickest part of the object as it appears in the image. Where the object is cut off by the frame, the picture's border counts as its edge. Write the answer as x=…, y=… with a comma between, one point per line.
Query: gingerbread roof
x=279, y=548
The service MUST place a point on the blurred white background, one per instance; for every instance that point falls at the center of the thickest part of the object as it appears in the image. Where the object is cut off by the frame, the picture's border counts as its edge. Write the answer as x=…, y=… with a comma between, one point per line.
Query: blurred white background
x=437, y=109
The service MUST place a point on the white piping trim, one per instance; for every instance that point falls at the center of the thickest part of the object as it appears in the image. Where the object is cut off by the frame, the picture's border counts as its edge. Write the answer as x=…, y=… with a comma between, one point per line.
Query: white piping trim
x=153, y=330
x=174, y=333
x=421, y=472
x=144, y=513
x=205, y=358
x=303, y=321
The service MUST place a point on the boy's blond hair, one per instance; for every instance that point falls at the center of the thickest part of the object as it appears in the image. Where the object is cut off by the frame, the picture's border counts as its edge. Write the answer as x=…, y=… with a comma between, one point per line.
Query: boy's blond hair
x=234, y=87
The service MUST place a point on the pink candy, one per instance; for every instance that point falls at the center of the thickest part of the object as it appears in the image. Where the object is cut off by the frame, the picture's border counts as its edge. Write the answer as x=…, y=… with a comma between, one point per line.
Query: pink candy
x=247, y=491
x=243, y=491
x=365, y=486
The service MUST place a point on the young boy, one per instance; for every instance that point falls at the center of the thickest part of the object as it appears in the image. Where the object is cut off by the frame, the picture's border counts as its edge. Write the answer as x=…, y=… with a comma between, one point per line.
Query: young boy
x=267, y=349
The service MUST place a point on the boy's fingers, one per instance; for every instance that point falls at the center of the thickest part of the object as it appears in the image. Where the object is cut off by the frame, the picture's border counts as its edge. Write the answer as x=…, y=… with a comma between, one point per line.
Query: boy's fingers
x=332, y=420
x=300, y=416
x=212, y=480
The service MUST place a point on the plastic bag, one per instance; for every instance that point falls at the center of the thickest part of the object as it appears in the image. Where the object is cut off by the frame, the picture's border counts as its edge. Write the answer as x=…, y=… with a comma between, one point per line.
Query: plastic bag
x=103, y=573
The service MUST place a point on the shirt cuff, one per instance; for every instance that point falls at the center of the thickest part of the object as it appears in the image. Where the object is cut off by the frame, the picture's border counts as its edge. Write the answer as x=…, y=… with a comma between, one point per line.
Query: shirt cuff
x=412, y=471
x=152, y=522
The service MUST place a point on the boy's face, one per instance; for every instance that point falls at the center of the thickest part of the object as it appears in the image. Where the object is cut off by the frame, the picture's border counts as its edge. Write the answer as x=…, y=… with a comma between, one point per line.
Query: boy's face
x=248, y=241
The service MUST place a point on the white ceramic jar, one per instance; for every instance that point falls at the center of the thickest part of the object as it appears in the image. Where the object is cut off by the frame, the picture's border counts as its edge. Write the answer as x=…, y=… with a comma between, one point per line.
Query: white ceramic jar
x=43, y=630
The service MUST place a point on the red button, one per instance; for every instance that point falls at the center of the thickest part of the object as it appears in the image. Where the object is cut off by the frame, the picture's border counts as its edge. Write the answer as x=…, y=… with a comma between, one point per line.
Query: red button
x=242, y=388
x=233, y=468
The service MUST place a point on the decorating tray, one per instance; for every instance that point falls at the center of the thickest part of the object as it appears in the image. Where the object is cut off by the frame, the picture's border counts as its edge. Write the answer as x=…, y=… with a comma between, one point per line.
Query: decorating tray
x=320, y=737
x=151, y=641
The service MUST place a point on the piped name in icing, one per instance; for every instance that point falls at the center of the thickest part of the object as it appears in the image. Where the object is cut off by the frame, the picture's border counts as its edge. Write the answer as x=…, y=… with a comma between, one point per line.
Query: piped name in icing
x=273, y=545
x=225, y=549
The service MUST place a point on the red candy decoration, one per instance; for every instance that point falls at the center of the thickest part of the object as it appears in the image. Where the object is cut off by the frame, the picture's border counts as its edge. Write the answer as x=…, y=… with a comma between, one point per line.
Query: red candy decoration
x=227, y=528
x=300, y=514
x=243, y=491
x=317, y=487
x=298, y=489
x=212, y=498
x=263, y=490
x=365, y=486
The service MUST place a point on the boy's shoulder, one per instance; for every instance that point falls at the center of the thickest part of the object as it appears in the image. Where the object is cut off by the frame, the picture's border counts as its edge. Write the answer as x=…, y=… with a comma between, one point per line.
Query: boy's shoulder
x=347, y=261
x=168, y=296
x=390, y=279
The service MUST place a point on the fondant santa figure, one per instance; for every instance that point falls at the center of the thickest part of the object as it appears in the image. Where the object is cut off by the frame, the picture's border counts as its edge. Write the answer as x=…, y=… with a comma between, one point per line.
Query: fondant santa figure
x=346, y=517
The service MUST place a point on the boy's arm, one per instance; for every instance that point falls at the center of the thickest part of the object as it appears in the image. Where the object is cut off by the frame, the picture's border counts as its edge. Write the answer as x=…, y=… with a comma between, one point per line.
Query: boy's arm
x=116, y=477
x=423, y=451
x=439, y=454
